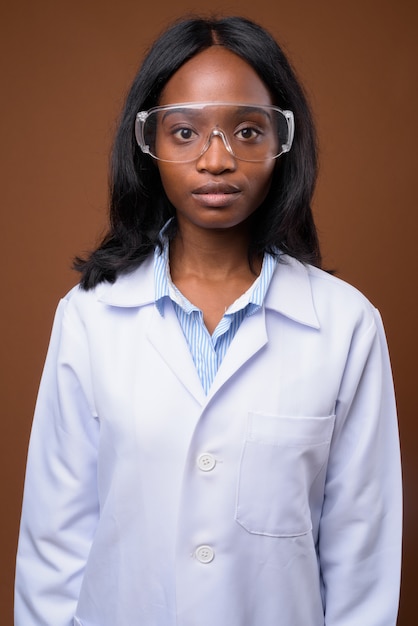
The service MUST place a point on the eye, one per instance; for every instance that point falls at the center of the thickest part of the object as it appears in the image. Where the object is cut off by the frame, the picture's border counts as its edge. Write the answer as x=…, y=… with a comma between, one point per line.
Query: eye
x=183, y=133
x=248, y=133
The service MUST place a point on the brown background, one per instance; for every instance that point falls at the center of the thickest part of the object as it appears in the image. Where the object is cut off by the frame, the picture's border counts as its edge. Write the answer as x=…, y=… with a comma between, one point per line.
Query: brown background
x=65, y=67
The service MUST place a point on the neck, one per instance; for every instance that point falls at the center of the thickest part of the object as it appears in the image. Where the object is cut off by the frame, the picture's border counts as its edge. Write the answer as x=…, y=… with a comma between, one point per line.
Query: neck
x=218, y=254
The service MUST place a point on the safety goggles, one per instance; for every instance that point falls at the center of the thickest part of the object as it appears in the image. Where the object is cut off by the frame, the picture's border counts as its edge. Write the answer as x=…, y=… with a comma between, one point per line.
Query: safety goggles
x=181, y=133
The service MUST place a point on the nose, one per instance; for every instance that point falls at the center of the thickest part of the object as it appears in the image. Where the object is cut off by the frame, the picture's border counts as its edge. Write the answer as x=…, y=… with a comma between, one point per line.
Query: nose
x=217, y=156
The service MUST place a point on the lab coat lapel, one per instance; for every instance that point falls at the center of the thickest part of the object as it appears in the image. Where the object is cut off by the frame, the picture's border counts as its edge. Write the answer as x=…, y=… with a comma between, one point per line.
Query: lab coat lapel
x=165, y=334
x=137, y=289
x=250, y=338
x=290, y=295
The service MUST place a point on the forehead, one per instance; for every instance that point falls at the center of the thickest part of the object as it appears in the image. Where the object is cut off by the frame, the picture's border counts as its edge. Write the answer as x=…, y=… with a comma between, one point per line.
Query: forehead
x=216, y=75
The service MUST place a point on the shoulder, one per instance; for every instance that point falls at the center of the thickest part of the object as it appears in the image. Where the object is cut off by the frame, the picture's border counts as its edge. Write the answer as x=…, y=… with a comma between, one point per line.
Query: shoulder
x=327, y=283
x=335, y=291
x=83, y=310
x=317, y=298
x=130, y=289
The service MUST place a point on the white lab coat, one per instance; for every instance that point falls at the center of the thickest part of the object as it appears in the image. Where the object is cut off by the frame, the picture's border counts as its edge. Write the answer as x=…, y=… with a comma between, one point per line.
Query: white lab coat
x=272, y=501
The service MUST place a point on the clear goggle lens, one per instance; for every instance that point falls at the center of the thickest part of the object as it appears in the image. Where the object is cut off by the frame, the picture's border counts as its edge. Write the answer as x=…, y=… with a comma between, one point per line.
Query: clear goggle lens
x=180, y=133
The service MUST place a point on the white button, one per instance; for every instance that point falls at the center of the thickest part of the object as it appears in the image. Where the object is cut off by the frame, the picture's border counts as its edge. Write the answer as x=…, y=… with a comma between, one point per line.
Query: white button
x=205, y=554
x=206, y=462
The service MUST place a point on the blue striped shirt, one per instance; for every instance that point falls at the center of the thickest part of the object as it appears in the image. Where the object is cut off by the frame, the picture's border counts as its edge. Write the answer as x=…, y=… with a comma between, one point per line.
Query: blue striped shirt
x=208, y=350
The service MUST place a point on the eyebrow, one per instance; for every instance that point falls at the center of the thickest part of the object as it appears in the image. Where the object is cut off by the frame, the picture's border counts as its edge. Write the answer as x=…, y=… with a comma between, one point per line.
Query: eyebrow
x=175, y=109
x=242, y=109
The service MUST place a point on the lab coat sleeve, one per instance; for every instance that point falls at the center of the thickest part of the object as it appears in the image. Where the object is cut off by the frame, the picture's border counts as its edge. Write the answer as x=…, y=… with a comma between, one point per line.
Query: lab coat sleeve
x=60, y=504
x=360, y=530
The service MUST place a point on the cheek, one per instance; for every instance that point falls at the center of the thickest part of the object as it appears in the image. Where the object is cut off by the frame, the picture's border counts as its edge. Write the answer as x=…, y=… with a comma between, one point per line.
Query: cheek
x=261, y=183
x=171, y=180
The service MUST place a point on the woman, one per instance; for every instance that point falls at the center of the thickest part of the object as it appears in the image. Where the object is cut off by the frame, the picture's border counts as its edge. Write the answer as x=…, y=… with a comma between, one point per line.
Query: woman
x=215, y=438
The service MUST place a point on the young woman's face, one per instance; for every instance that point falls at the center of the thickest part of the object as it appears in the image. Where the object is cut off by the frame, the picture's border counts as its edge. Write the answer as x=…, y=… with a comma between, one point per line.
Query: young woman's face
x=216, y=190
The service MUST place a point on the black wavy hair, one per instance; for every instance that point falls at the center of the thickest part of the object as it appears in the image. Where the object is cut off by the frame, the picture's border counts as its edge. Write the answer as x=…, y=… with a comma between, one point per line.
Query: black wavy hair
x=138, y=205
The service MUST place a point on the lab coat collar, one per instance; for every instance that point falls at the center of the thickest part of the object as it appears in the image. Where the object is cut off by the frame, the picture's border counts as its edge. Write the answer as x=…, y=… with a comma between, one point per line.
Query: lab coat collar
x=133, y=289
x=290, y=291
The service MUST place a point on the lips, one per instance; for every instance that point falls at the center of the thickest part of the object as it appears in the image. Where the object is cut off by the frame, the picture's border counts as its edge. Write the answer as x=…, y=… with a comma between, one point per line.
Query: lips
x=216, y=195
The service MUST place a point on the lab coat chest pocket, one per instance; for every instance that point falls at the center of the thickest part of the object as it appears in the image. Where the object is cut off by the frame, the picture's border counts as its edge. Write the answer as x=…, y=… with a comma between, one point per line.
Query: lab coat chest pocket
x=281, y=458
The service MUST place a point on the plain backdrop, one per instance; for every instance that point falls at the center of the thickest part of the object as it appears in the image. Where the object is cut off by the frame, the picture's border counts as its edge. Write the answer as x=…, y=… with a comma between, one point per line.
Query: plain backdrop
x=65, y=68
